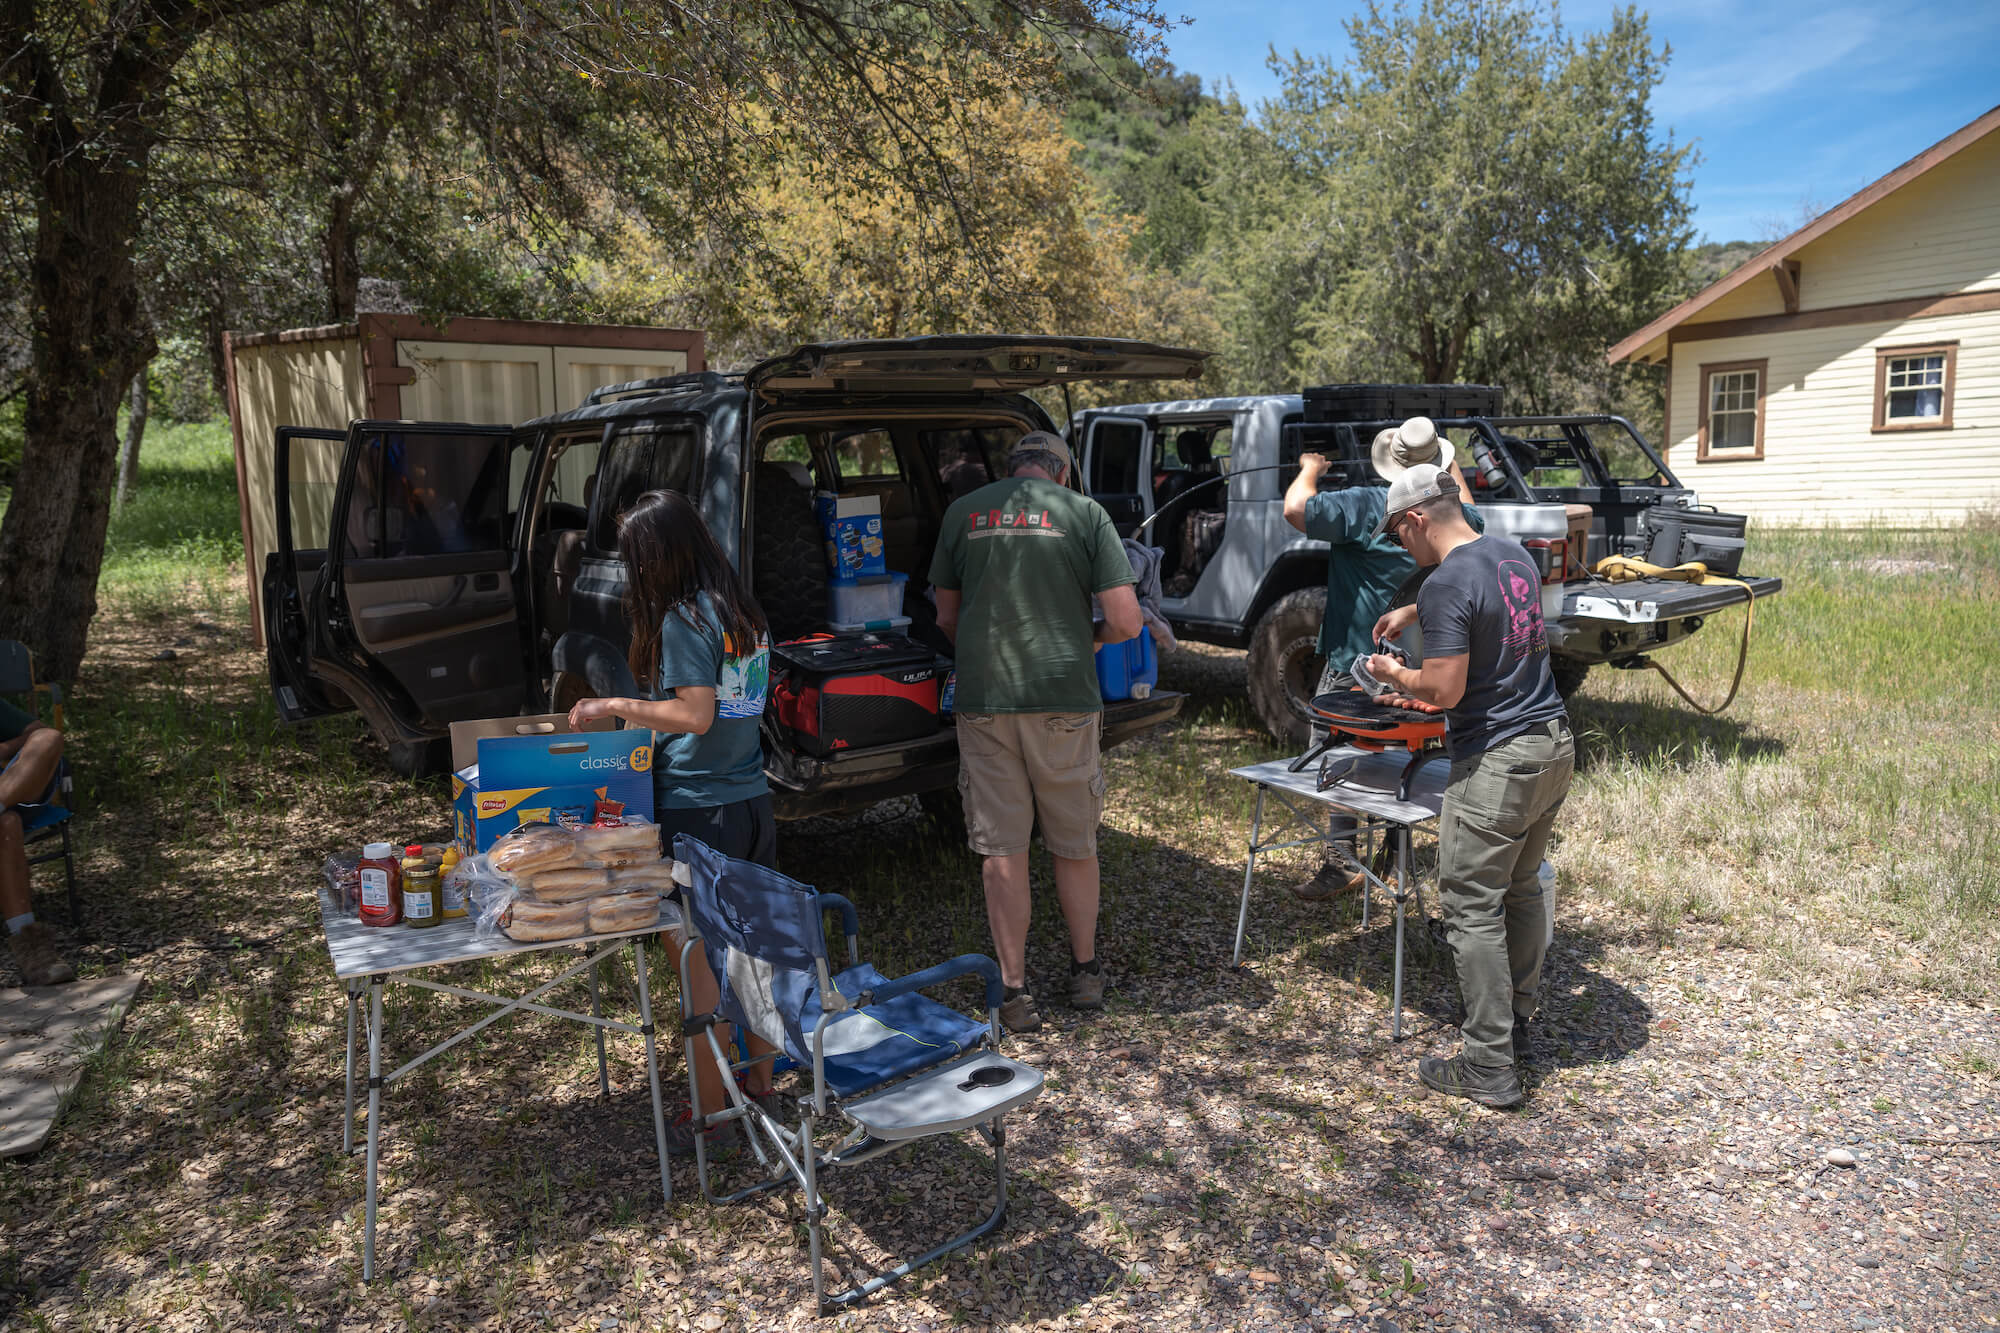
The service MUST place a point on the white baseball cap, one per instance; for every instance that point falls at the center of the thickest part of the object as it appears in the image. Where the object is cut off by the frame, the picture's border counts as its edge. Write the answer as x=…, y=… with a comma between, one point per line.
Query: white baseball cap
x=1424, y=481
x=1415, y=441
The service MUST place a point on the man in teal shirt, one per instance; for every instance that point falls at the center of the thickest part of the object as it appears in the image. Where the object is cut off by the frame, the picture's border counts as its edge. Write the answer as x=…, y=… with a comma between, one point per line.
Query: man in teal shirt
x=1363, y=572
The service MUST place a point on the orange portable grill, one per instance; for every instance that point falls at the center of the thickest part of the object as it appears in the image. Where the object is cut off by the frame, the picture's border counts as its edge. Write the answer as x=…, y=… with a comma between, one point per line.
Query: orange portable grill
x=1391, y=722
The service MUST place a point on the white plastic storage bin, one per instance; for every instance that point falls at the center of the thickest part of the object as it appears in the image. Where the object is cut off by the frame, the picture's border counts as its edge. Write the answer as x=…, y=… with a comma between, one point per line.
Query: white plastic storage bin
x=864, y=601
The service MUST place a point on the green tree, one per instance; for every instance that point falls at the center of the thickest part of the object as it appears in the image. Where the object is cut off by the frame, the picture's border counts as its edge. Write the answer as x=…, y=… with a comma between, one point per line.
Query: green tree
x=89, y=93
x=1476, y=194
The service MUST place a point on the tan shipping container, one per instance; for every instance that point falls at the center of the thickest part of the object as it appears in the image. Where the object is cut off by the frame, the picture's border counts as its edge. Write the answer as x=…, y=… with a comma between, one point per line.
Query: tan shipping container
x=399, y=368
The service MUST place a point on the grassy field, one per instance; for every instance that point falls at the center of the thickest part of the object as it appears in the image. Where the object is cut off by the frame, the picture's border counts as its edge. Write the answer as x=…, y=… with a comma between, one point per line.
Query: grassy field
x=1826, y=846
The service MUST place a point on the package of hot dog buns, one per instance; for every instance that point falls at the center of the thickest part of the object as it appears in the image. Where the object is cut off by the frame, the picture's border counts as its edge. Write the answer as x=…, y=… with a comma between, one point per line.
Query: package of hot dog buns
x=561, y=881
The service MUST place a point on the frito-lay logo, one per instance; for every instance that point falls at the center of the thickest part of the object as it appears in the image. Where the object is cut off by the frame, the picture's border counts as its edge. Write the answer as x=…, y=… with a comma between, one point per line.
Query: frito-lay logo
x=494, y=805
x=642, y=759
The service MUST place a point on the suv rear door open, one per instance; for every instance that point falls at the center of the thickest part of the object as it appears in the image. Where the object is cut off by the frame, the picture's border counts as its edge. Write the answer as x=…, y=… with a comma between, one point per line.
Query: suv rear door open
x=416, y=606
x=306, y=475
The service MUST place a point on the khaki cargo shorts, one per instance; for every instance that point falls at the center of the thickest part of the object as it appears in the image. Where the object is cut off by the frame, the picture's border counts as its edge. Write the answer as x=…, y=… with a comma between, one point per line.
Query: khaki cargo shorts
x=1015, y=767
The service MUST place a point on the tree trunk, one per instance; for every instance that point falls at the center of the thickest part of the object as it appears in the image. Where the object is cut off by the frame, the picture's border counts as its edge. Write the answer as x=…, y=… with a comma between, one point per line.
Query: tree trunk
x=86, y=149
x=135, y=430
x=340, y=261
x=89, y=339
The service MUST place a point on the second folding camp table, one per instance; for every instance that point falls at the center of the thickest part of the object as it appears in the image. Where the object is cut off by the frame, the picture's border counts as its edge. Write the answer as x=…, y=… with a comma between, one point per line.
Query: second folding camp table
x=371, y=957
x=1361, y=783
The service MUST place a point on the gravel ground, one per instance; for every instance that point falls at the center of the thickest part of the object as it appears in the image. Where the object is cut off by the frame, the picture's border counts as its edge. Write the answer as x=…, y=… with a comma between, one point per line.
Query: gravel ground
x=1707, y=1145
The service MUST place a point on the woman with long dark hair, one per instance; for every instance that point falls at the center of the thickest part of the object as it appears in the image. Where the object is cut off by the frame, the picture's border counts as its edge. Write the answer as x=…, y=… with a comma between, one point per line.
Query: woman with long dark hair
x=700, y=641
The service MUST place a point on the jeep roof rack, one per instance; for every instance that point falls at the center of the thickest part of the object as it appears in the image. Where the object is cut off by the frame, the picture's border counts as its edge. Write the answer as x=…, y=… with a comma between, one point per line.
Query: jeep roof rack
x=1395, y=402
x=659, y=385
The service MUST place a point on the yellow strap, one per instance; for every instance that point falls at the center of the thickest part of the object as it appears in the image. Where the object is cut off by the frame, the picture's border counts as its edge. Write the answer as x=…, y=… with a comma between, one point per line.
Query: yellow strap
x=1625, y=569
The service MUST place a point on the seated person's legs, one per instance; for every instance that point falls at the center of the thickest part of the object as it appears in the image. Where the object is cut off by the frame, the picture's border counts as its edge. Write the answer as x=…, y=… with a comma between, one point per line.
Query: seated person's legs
x=28, y=778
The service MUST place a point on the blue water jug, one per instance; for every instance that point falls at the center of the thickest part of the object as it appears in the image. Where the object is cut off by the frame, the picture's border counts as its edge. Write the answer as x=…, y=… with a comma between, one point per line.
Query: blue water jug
x=1127, y=670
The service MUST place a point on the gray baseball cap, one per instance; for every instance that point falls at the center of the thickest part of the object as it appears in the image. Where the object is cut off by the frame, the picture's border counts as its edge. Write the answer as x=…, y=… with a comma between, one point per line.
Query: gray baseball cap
x=1047, y=442
x=1424, y=481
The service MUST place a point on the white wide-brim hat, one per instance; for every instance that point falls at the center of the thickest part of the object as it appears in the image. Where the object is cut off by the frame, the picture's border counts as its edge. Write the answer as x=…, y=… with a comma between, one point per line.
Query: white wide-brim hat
x=1415, y=441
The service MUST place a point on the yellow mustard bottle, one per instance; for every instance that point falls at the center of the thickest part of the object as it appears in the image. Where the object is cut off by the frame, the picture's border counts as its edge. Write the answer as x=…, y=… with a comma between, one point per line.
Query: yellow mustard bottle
x=421, y=906
x=452, y=895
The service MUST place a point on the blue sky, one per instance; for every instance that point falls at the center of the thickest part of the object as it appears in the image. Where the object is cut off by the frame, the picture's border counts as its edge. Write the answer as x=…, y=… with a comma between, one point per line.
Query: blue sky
x=1792, y=105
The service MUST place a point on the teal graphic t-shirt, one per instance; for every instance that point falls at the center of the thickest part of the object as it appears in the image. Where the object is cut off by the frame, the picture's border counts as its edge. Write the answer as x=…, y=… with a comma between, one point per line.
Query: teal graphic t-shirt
x=727, y=764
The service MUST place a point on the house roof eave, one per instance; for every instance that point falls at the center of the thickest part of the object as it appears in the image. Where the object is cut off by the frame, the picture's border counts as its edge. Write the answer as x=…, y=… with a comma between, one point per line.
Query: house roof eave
x=1639, y=344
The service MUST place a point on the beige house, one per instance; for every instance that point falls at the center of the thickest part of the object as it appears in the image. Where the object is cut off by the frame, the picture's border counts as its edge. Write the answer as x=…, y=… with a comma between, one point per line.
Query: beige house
x=1850, y=373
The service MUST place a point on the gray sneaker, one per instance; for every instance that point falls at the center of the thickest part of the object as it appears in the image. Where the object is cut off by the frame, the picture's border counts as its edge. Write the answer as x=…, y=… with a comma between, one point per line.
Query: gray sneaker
x=1086, y=989
x=1497, y=1087
x=1020, y=1015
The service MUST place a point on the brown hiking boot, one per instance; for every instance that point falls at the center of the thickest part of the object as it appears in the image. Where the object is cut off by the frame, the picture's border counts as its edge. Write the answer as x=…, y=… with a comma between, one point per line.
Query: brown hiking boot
x=1020, y=1015
x=1333, y=880
x=35, y=954
x=1498, y=1087
x=1086, y=989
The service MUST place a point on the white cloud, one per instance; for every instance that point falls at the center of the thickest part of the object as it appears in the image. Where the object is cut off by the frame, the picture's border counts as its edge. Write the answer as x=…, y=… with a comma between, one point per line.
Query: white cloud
x=1734, y=62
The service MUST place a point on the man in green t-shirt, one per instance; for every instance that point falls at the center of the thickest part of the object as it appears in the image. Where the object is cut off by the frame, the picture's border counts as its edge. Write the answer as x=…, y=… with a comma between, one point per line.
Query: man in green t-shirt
x=1017, y=564
x=29, y=754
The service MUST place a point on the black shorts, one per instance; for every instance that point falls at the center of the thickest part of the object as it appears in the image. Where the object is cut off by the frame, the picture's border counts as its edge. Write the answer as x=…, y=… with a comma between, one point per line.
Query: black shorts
x=746, y=830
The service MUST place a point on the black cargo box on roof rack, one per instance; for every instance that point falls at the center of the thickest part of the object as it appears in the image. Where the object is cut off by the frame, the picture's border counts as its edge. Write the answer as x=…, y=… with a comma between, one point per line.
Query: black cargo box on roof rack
x=1394, y=402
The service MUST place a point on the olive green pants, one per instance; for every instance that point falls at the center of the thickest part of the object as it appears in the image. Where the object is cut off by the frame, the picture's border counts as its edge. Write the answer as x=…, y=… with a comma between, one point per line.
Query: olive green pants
x=1492, y=835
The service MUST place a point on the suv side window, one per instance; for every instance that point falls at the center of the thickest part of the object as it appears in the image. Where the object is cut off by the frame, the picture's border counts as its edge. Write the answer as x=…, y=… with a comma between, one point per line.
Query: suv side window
x=1114, y=458
x=424, y=494
x=645, y=456
x=865, y=455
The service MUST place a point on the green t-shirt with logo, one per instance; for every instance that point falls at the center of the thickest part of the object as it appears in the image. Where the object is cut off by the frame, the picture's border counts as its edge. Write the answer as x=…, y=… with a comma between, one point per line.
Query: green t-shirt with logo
x=1027, y=554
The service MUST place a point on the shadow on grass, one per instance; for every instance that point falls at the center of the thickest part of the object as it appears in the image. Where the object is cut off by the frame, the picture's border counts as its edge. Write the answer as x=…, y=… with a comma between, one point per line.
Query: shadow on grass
x=1653, y=734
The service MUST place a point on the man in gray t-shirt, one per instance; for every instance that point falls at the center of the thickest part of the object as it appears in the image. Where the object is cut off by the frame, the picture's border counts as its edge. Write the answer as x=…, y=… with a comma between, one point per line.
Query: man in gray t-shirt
x=1486, y=663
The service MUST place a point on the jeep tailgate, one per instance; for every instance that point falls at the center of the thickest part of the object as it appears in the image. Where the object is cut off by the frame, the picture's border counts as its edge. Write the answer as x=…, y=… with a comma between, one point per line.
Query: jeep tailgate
x=1645, y=601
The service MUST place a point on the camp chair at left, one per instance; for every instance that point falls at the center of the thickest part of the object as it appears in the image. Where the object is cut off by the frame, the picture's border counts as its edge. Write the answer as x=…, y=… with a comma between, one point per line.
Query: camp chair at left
x=47, y=821
x=881, y=1060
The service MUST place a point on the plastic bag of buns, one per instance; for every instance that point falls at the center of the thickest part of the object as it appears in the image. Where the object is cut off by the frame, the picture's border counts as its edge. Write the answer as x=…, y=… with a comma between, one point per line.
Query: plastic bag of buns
x=625, y=841
x=533, y=848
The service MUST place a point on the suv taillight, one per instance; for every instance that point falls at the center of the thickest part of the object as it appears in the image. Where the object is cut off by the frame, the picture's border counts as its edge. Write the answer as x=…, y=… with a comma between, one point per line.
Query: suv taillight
x=1551, y=556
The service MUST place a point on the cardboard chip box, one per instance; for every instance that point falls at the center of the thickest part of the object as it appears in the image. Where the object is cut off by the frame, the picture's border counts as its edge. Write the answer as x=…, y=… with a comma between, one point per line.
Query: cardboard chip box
x=852, y=526
x=510, y=771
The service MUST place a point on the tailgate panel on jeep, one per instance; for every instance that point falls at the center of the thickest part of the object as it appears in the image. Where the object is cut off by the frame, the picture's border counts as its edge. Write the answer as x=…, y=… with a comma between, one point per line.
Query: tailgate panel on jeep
x=1646, y=601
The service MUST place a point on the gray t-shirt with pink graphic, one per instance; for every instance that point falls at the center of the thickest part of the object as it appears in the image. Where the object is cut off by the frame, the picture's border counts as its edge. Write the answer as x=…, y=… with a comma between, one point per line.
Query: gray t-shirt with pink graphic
x=1485, y=600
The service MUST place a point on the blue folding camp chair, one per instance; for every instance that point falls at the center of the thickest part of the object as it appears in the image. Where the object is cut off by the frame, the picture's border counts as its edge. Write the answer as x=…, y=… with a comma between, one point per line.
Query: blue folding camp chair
x=48, y=819
x=886, y=1062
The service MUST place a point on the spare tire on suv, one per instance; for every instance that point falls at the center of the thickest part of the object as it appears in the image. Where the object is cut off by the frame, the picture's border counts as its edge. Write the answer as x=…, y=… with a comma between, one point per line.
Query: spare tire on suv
x=787, y=563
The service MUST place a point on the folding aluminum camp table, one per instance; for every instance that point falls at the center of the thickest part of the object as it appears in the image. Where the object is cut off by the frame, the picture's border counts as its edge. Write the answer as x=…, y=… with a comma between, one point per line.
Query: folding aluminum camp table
x=373, y=956
x=1364, y=784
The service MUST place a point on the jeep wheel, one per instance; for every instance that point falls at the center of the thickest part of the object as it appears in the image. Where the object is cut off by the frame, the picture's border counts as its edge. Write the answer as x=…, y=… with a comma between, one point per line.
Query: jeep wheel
x=1285, y=664
x=787, y=559
x=1569, y=674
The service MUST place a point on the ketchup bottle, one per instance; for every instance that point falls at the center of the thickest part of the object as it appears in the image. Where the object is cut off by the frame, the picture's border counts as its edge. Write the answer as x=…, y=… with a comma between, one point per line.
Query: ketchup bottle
x=381, y=885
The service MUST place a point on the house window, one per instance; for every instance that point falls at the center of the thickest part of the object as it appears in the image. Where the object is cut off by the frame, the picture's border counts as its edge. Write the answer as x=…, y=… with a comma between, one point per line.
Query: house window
x=1731, y=424
x=1913, y=386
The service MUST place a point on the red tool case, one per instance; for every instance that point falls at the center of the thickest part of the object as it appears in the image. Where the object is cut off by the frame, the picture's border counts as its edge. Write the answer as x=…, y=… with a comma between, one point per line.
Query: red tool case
x=836, y=692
